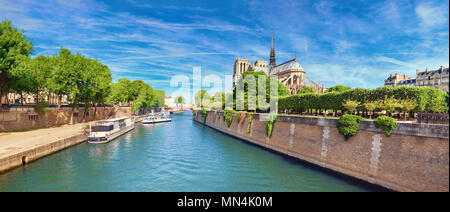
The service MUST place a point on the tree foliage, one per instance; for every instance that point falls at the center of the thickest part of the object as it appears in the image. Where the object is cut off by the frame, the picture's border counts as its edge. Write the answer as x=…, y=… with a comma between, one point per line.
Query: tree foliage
x=338, y=89
x=386, y=98
x=13, y=48
x=304, y=90
x=348, y=125
x=387, y=124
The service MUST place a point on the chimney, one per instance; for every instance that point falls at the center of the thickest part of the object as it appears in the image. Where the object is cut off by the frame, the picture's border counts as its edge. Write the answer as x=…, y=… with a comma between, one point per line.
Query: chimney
x=405, y=77
x=417, y=71
x=442, y=68
x=391, y=76
x=426, y=70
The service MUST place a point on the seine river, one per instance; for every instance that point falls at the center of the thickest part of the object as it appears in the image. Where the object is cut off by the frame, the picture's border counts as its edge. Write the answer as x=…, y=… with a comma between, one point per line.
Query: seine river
x=177, y=156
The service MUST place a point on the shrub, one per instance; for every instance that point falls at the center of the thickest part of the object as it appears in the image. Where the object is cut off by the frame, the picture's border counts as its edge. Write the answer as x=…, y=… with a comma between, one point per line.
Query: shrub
x=228, y=115
x=238, y=116
x=204, y=114
x=386, y=124
x=348, y=125
x=269, y=124
x=41, y=108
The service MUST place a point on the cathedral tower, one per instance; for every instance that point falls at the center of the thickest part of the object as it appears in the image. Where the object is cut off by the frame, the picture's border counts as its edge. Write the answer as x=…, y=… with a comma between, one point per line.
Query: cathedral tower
x=272, y=55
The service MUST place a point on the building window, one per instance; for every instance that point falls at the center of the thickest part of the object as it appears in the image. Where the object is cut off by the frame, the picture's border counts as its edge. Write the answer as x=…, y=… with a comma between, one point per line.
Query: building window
x=32, y=117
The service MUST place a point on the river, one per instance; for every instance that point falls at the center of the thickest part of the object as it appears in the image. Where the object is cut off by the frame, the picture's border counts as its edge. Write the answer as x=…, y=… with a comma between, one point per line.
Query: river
x=177, y=156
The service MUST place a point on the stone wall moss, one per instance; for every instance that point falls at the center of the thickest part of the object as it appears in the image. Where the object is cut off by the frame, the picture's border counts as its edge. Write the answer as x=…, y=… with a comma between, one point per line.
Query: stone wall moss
x=204, y=114
x=272, y=118
x=228, y=115
x=249, y=120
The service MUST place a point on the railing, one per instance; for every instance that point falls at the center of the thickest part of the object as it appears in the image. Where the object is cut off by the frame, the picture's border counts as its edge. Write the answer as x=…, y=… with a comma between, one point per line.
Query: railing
x=433, y=118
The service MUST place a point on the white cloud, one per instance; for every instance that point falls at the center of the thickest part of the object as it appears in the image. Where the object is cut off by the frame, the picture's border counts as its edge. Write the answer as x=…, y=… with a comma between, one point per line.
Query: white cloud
x=342, y=46
x=431, y=16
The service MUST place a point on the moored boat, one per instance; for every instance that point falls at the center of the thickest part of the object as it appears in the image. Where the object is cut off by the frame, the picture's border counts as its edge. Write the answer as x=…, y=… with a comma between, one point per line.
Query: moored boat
x=157, y=118
x=107, y=130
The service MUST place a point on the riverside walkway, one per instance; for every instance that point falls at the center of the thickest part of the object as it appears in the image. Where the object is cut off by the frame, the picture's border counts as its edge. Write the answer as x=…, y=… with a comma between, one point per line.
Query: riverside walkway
x=19, y=147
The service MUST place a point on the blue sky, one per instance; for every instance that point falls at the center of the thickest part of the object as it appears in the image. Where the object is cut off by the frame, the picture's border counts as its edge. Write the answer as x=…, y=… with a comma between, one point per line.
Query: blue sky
x=353, y=43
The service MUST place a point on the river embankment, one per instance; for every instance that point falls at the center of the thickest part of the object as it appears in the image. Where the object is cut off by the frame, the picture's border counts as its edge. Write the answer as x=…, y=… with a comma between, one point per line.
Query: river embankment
x=414, y=158
x=20, y=148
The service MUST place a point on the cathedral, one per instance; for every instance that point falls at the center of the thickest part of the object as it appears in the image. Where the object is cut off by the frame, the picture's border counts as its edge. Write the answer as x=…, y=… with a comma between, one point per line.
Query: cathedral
x=290, y=73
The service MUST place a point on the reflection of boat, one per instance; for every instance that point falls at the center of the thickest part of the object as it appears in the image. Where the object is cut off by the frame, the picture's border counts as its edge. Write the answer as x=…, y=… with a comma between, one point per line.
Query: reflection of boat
x=157, y=118
x=107, y=130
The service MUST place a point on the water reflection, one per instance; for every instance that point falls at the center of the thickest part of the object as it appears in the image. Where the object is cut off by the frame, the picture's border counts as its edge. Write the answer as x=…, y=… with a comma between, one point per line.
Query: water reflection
x=175, y=156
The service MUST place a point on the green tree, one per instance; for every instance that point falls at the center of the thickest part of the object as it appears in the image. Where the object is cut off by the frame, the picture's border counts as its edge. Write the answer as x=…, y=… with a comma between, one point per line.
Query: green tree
x=307, y=89
x=144, y=99
x=23, y=77
x=179, y=101
x=407, y=106
x=13, y=45
x=351, y=105
x=370, y=107
x=338, y=88
x=436, y=102
x=389, y=105
x=60, y=81
x=218, y=101
x=159, y=98
x=251, y=97
x=202, y=99
x=121, y=92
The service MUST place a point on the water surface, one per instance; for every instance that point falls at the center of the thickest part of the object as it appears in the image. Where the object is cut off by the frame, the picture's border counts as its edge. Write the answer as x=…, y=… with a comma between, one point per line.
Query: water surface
x=176, y=156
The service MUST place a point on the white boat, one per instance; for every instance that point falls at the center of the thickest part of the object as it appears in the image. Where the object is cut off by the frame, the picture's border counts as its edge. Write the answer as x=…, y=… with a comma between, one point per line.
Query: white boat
x=157, y=118
x=107, y=130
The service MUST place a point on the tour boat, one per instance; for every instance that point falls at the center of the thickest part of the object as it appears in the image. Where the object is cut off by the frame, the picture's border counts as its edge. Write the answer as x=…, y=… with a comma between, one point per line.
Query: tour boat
x=157, y=118
x=107, y=130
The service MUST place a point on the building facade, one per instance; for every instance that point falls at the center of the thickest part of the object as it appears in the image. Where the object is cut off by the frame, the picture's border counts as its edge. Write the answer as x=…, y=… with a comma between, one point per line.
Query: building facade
x=290, y=73
x=437, y=79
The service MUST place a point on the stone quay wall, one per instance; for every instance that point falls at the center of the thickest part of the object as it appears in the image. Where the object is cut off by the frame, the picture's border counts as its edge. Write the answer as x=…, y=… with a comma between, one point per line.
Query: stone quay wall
x=24, y=120
x=414, y=158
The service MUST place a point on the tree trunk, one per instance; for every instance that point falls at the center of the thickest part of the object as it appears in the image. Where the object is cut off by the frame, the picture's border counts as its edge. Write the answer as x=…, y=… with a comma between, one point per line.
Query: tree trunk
x=2, y=86
x=60, y=101
x=95, y=110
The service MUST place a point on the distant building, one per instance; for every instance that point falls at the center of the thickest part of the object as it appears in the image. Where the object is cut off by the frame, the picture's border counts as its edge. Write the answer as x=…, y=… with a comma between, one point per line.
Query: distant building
x=169, y=101
x=437, y=79
x=290, y=73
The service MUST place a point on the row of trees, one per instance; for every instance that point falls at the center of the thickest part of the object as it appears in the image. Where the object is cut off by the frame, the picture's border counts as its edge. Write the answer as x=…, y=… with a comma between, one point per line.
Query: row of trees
x=135, y=93
x=80, y=79
x=405, y=99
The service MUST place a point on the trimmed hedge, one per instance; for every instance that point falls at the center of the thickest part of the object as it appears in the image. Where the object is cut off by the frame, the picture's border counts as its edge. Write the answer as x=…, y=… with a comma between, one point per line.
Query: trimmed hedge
x=422, y=96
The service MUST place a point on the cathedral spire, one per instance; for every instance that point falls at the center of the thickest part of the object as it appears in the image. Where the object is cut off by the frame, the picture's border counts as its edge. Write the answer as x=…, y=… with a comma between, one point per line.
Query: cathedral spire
x=272, y=54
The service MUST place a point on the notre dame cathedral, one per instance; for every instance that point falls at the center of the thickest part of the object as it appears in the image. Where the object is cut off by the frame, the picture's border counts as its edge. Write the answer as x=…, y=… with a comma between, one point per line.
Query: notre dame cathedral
x=290, y=73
